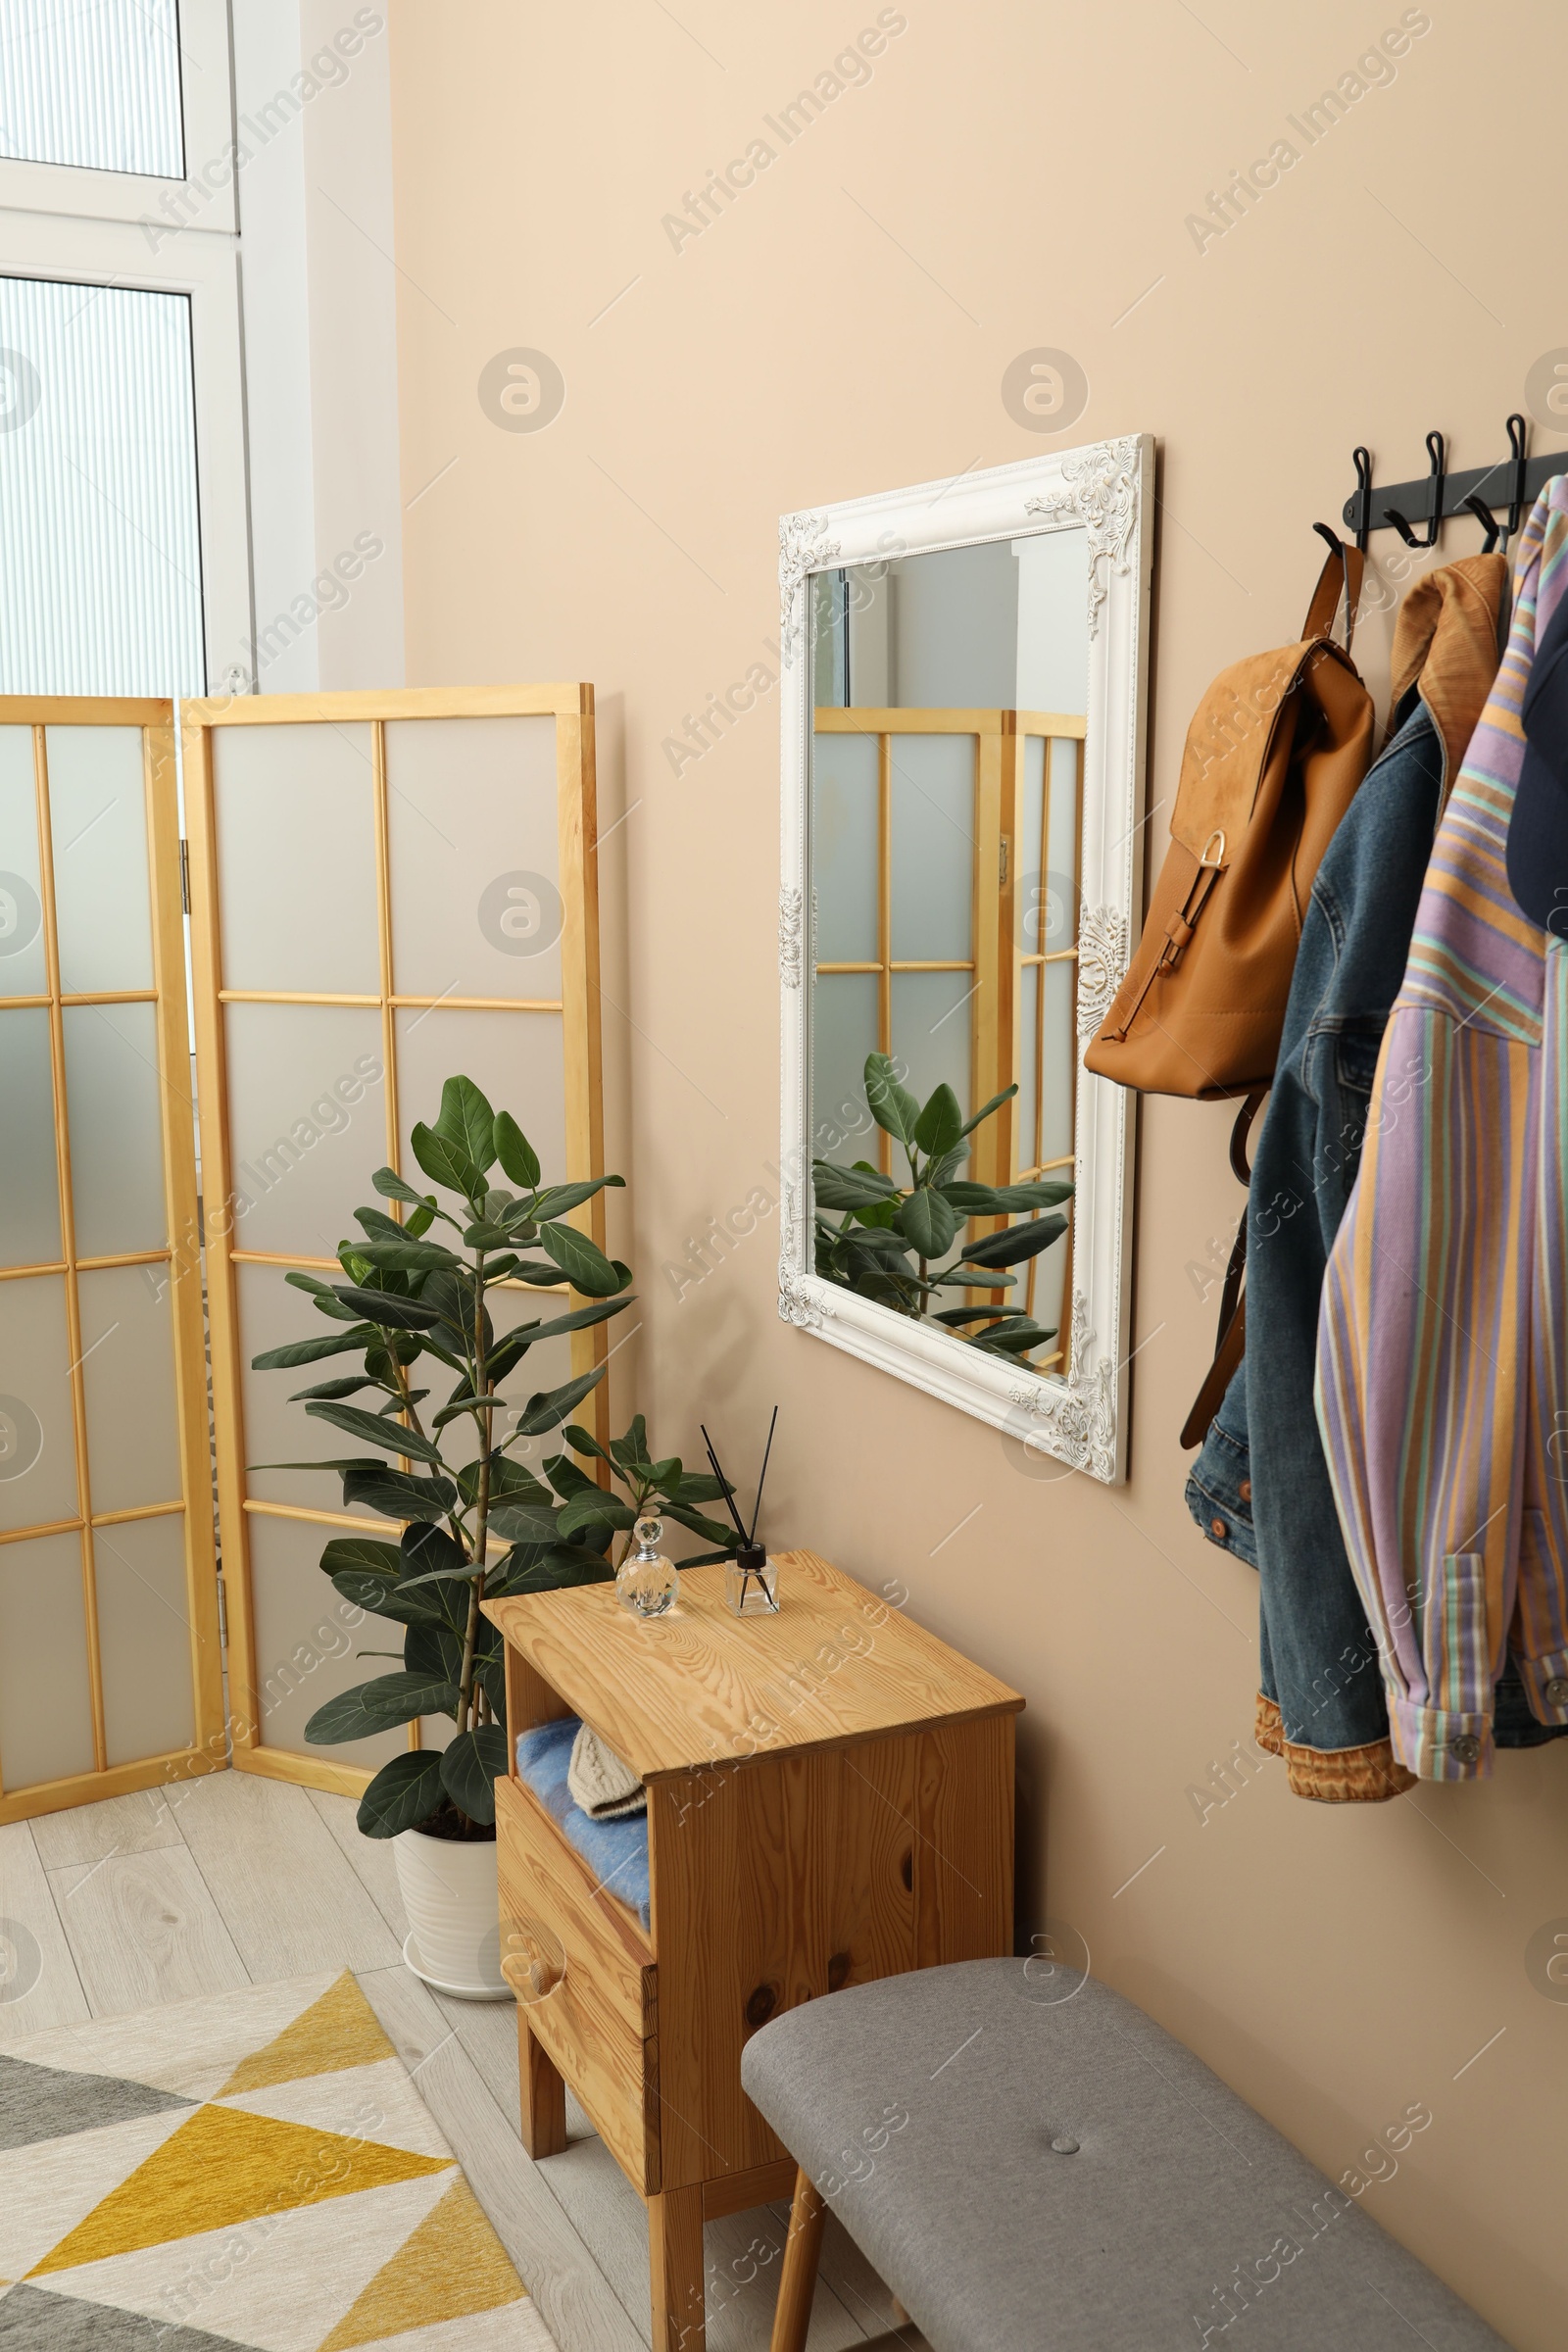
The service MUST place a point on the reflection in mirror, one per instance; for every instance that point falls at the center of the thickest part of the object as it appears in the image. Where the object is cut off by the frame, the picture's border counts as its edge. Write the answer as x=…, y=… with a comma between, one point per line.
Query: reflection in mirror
x=950, y=693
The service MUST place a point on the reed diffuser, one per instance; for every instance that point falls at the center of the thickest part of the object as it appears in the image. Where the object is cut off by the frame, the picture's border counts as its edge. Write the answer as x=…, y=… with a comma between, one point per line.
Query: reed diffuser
x=751, y=1578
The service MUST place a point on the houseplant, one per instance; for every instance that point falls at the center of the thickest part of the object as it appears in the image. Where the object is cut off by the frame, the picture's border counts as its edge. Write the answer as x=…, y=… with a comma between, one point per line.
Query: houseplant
x=891, y=1240
x=476, y=1522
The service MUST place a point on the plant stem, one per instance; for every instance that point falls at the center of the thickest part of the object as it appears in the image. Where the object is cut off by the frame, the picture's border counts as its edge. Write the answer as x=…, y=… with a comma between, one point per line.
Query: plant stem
x=481, y=1388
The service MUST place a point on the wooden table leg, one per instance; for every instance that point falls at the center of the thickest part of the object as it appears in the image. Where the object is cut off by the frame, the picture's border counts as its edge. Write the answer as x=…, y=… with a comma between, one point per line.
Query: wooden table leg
x=798, y=2279
x=543, y=2093
x=676, y=2259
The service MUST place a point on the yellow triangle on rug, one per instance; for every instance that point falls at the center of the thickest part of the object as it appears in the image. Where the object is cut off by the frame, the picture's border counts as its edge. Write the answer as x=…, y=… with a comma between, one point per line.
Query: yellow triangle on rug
x=224, y=2166
x=338, y=2030
x=450, y=2268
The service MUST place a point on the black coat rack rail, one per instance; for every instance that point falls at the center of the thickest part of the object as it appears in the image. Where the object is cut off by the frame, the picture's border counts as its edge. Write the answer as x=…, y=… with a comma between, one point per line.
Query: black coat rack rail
x=1514, y=482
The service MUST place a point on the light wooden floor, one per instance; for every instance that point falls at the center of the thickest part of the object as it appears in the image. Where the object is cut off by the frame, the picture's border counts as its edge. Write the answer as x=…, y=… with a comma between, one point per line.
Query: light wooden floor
x=236, y=1880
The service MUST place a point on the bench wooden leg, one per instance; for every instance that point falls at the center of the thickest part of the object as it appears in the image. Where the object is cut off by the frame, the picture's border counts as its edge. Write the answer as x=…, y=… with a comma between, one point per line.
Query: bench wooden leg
x=675, y=2260
x=798, y=2280
x=543, y=2094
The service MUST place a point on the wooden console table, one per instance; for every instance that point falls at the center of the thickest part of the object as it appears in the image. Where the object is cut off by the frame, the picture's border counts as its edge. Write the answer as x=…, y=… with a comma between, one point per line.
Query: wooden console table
x=830, y=1796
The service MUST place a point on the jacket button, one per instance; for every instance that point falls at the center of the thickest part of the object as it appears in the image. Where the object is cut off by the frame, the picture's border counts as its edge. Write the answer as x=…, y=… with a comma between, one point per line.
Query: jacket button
x=1246, y=1490
x=1218, y=1529
x=1464, y=1747
x=1557, y=1689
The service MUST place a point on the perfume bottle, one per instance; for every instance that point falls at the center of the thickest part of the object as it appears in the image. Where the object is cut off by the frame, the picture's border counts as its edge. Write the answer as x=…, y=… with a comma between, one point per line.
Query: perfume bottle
x=751, y=1583
x=645, y=1581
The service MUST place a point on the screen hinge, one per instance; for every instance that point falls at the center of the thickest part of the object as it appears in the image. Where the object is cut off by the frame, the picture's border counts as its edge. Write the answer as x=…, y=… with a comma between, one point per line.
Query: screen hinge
x=185, y=875
x=1002, y=863
x=222, y=1612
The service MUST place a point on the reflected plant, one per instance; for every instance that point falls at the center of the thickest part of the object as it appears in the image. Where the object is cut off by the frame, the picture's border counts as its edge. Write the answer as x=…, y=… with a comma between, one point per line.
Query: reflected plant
x=890, y=1237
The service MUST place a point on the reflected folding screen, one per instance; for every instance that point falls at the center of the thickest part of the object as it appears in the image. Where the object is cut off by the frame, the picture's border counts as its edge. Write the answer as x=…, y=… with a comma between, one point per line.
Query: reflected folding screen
x=110, y=1675
x=386, y=891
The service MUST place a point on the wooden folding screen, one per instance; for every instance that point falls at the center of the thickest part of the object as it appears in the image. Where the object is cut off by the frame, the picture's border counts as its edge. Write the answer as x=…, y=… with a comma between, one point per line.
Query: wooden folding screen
x=110, y=1671
x=386, y=889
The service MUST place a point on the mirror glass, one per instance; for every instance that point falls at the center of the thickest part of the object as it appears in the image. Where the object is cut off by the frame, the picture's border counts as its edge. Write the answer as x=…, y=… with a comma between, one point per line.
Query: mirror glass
x=948, y=694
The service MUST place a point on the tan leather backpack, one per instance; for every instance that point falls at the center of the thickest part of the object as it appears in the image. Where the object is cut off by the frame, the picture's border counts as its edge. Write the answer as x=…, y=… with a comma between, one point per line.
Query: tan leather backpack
x=1274, y=755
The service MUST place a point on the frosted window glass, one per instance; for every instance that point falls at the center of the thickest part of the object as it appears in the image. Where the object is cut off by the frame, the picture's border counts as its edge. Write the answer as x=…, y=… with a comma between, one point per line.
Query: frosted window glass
x=1028, y=1096
x=97, y=87
x=844, y=1031
x=23, y=971
x=296, y=859
x=474, y=845
x=845, y=826
x=45, y=1704
x=37, y=1435
x=516, y=1060
x=144, y=1636
x=931, y=1016
x=306, y=1122
x=306, y=1638
x=932, y=848
x=273, y=1312
x=127, y=1344
x=100, y=560
x=112, y=1092
x=29, y=1187
x=98, y=821
x=1058, y=1061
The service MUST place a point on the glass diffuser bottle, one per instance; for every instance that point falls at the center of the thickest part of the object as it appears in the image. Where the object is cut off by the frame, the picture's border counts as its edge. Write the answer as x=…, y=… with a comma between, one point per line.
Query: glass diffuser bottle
x=645, y=1581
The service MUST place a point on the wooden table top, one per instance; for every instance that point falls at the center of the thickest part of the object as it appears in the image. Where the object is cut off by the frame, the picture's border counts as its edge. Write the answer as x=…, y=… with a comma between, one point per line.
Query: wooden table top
x=699, y=1685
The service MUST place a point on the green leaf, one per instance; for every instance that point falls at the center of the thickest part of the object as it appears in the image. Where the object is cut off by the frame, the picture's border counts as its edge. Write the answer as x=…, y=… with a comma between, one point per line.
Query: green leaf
x=940, y=1122
x=404, y=1793
x=516, y=1154
x=508, y=1353
x=381, y=1706
x=566, y=1477
x=524, y=1523
x=467, y=1121
x=433, y=1650
x=443, y=1160
x=399, y=1603
x=470, y=1766
x=388, y=1309
x=335, y=1387
x=405, y=1257
x=560, y=1196
x=892, y=1105
x=375, y=1428
x=548, y=1568
x=397, y=1494
x=996, y=1199
x=986, y=1108
x=581, y=1261
x=698, y=1486
x=714, y=1531
x=509, y=1481
x=631, y=1448
x=362, y=1552
x=310, y=1352
x=594, y=1508
x=391, y=1187
x=850, y=1188
x=490, y=1673
x=485, y=1236
x=550, y=1407
x=1018, y=1242
x=927, y=1223
x=583, y=1441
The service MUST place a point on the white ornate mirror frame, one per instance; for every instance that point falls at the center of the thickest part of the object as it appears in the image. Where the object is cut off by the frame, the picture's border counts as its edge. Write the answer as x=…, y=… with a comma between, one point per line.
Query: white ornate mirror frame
x=1104, y=492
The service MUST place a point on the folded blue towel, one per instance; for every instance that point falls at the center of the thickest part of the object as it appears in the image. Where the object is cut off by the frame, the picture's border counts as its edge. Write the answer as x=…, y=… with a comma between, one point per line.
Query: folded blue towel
x=615, y=1852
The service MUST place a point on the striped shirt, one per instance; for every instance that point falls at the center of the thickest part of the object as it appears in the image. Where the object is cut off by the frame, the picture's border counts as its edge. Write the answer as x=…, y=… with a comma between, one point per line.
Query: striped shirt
x=1443, y=1343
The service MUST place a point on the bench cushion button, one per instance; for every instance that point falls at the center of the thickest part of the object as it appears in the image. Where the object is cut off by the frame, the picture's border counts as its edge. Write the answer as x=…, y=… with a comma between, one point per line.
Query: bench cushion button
x=1065, y=2145
x=1557, y=1689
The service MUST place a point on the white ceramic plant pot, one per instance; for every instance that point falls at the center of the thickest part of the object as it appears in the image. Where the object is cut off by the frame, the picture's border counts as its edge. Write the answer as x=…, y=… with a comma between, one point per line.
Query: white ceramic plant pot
x=450, y=1895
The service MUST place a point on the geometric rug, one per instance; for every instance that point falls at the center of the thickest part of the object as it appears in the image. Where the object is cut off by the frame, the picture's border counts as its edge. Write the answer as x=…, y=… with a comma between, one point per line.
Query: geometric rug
x=253, y=2169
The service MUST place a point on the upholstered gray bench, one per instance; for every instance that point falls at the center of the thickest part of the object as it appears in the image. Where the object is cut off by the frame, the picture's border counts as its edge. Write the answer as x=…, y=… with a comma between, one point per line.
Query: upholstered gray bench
x=1032, y=2164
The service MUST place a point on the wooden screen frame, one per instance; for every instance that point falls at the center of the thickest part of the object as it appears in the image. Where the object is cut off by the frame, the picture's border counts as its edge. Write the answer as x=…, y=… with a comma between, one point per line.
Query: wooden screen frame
x=183, y=1255
x=572, y=705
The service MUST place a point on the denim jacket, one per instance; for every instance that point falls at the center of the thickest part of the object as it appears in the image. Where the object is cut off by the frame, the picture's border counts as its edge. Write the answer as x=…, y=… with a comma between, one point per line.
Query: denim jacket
x=1260, y=1486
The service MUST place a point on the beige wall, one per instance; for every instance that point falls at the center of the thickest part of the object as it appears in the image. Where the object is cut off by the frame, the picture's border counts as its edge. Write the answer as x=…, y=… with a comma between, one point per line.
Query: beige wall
x=1012, y=175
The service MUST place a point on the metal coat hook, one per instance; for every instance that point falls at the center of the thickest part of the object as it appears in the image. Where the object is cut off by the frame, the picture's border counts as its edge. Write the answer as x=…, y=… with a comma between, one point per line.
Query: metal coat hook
x=1435, y=460
x=1478, y=506
x=1518, y=434
x=1362, y=460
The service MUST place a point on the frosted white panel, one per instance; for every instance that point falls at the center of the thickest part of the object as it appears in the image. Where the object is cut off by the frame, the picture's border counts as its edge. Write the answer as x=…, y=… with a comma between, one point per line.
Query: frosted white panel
x=932, y=848
x=296, y=859
x=306, y=1638
x=306, y=1122
x=45, y=1702
x=1050, y=1274
x=474, y=844
x=844, y=1031
x=112, y=1092
x=1026, y=1100
x=100, y=560
x=127, y=1344
x=1028, y=890
x=273, y=1312
x=37, y=1438
x=518, y=1059
x=845, y=828
x=144, y=1636
x=23, y=971
x=1063, y=843
x=931, y=1016
x=98, y=820
x=29, y=1188
x=97, y=87
x=1058, y=1060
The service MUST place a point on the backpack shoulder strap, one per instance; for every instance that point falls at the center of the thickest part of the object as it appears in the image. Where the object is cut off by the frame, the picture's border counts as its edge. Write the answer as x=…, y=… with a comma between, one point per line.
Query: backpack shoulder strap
x=1342, y=574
